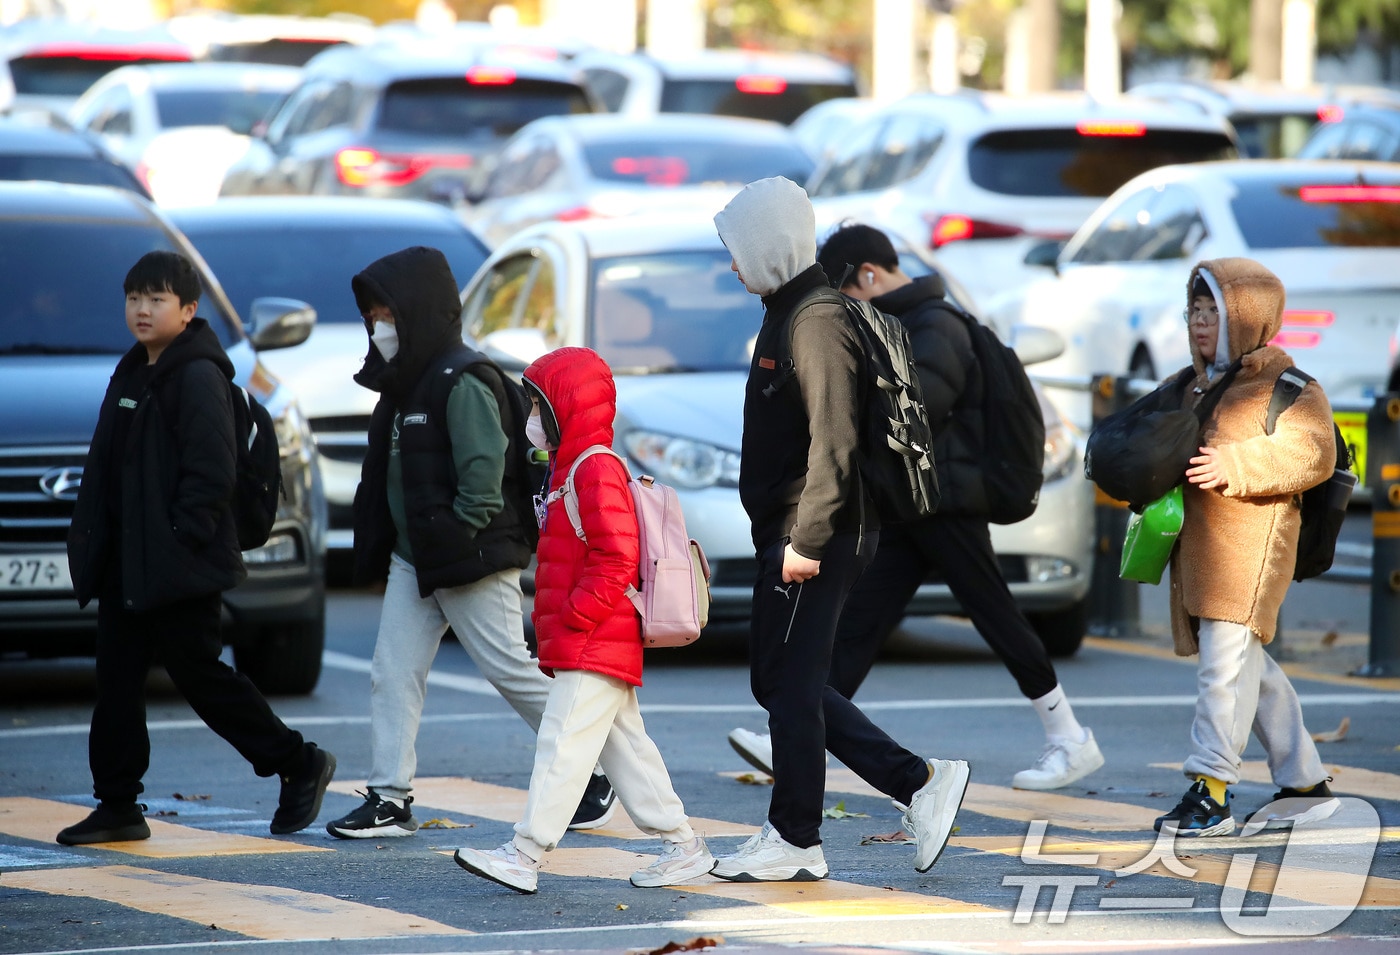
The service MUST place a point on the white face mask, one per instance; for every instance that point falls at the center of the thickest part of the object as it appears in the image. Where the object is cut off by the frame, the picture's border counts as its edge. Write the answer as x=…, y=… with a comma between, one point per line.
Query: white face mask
x=386, y=339
x=534, y=430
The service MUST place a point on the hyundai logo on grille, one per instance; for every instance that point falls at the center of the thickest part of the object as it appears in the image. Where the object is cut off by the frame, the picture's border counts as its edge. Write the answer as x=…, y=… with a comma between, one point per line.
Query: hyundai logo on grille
x=61, y=484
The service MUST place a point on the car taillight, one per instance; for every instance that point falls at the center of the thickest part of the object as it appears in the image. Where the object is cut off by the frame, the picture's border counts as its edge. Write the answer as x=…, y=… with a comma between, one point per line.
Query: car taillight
x=1349, y=193
x=490, y=76
x=116, y=54
x=653, y=170
x=575, y=214
x=358, y=166
x=1308, y=319
x=1291, y=339
x=761, y=85
x=956, y=228
x=1098, y=127
x=1330, y=114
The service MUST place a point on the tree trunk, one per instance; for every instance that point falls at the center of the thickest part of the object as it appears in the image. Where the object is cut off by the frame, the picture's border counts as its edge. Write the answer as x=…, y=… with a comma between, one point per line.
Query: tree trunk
x=1266, y=40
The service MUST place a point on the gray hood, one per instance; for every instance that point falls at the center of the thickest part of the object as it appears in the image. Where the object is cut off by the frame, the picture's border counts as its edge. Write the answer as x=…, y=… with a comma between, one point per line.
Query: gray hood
x=771, y=231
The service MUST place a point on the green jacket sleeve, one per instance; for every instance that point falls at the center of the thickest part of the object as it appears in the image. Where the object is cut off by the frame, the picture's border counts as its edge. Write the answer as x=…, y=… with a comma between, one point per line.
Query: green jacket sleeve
x=478, y=451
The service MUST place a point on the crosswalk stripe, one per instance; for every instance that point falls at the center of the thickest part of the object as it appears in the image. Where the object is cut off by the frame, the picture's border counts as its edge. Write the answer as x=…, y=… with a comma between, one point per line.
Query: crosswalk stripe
x=41, y=819
x=1352, y=780
x=258, y=911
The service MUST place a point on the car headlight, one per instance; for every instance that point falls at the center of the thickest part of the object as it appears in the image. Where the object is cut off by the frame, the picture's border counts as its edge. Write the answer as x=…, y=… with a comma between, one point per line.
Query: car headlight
x=1059, y=451
x=291, y=428
x=682, y=462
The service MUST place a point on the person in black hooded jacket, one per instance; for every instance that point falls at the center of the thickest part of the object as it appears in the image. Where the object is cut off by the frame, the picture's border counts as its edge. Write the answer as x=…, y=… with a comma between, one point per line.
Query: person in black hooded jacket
x=153, y=539
x=437, y=520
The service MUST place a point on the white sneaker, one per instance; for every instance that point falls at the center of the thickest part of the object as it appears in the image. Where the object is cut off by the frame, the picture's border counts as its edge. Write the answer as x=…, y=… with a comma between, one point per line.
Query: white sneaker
x=506, y=865
x=1061, y=762
x=679, y=862
x=768, y=857
x=1294, y=807
x=756, y=748
x=929, y=818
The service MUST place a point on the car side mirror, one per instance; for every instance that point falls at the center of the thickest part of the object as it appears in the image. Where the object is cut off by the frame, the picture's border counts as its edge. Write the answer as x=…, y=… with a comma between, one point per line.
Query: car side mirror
x=279, y=322
x=514, y=349
x=1046, y=254
x=1033, y=344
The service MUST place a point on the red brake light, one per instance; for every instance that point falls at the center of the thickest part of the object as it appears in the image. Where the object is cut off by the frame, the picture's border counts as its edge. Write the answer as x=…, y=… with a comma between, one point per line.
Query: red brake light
x=762, y=85
x=653, y=170
x=1288, y=339
x=576, y=214
x=1309, y=319
x=1330, y=114
x=490, y=76
x=356, y=166
x=123, y=54
x=1095, y=127
x=1350, y=193
x=955, y=228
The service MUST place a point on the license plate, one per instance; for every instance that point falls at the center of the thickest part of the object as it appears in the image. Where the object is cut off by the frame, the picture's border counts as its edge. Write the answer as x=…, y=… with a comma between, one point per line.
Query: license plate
x=34, y=572
x=1352, y=424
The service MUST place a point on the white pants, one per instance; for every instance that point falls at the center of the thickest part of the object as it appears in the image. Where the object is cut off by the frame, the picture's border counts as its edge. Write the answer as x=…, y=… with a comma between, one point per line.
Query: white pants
x=591, y=717
x=1238, y=684
x=486, y=616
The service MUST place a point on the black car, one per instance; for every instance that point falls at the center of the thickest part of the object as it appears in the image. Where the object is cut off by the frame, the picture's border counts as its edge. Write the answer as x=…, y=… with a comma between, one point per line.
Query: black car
x=395, y=122
x=308, y=248
x=66, y=252
x=1359, y=132
x=35, y=144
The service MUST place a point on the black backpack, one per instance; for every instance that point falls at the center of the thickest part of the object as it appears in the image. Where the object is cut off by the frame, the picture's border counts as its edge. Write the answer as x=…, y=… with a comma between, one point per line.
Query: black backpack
x=896, y=453
x=1013, y=449
x=258, y=482
x=1324, y=505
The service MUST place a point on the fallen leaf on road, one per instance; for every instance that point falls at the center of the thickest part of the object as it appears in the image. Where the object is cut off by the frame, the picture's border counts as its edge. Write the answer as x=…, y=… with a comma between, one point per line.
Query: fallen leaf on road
x=1337, y=735
x=1329, y=638
x=838, y=811
x=167, y=812
x=694, y=944
x=446, y=824
x=897, y=836
x=182, y=797
x=754, y=779
x=621, y=907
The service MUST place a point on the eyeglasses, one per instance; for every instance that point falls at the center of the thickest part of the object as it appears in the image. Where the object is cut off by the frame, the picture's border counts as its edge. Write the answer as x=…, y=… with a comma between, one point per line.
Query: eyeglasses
x=1193, y=316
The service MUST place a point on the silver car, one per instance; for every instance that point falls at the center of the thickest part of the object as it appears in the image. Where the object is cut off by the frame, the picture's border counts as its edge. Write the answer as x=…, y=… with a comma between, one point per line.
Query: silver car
x=656, y=298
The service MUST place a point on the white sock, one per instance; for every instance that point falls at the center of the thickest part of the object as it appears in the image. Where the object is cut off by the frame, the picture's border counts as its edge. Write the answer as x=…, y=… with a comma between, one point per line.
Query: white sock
x=396, y=801
x=1058, y=717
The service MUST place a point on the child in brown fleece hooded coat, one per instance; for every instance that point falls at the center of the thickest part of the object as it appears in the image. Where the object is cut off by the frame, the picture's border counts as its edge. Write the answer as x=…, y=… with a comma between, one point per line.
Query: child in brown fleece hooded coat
x=1234, y=559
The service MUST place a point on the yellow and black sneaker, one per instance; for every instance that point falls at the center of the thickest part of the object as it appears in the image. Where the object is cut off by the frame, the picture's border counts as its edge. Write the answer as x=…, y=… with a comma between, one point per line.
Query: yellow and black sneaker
x=1198, y=814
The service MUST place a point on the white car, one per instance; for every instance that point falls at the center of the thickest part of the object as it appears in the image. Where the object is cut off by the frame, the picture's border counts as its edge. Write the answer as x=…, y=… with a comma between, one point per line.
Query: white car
x=180, y=126
x=657, y=299
x=1329, y=230
x=980, y=178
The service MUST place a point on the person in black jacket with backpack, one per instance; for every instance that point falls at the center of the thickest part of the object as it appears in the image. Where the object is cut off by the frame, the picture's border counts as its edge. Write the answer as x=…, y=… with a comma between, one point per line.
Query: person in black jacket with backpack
x=153, y=540
x=442, y=517
x=814, y=530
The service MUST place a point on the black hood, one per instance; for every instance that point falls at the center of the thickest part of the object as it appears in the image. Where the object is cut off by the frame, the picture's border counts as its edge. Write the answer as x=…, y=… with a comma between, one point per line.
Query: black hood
x=909, y=296
x=419, y=289
x=196, y=341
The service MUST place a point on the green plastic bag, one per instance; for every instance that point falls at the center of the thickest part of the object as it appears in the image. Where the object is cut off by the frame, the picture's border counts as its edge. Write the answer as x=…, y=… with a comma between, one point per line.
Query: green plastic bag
x=1151, y=535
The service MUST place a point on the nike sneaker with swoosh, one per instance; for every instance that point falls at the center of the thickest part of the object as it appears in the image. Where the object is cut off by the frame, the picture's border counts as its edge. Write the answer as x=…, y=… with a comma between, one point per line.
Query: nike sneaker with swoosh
x=376, y=818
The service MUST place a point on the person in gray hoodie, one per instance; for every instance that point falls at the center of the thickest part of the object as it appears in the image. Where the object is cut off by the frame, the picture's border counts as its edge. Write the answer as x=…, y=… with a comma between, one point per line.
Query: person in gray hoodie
x=814, y=530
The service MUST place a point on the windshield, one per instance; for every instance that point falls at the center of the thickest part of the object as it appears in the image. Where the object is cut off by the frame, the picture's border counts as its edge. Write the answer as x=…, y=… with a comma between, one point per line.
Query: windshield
x=771, y=97
x=50, y=75
x=315, y=265
x=75, y=170
x=234, y=108
x=1273, y=136
x=1275, y=215
x=678, y=311
x=1065, y=163
x=455, y=107
x=61, y=285
x=690, y=162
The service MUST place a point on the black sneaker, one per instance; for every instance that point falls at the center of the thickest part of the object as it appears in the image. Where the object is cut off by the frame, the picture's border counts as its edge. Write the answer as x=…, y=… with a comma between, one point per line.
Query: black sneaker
x=108, y=823
x=1295, y=807
x=302, y=793
x=376, y=818
x=1198, y=815
x=597, y=805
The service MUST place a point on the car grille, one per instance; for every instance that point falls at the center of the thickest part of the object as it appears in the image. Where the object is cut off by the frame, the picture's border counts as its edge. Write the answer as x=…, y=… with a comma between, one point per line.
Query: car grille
x=342, y=438
x=739, y=572
x=37, y=492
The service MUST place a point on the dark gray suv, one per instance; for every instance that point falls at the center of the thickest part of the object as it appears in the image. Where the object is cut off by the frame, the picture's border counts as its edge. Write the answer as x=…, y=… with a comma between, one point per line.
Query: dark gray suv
x=65, y=253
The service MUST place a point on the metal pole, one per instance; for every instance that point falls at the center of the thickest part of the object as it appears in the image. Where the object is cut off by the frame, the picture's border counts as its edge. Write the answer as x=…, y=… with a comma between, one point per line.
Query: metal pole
x=1383, y=477
x=1114, y=610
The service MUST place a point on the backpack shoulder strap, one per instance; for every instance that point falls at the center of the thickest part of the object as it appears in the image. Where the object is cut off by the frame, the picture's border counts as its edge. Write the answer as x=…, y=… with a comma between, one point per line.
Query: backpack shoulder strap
x=1287, y=387
x=567, y=492
x=786, y=370
x=447, y=371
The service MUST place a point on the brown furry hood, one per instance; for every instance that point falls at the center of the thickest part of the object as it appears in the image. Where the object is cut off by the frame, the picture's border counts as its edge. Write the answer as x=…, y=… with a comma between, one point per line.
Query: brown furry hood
x=1250, y=299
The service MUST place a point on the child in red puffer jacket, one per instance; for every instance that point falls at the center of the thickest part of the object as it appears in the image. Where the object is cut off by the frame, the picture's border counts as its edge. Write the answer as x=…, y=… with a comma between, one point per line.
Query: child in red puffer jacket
x=590, y=641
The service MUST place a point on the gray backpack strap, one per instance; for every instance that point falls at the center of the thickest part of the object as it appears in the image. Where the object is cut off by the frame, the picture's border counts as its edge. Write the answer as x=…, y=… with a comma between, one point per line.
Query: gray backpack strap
x=1287, y=387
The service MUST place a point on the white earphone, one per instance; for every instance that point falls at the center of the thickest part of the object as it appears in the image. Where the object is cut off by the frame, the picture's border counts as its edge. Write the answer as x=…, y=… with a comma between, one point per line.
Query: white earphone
x=870, y=277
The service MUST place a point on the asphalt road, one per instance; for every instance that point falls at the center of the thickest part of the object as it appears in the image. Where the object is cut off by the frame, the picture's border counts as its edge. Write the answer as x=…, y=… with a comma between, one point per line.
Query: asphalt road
x=1025, y=872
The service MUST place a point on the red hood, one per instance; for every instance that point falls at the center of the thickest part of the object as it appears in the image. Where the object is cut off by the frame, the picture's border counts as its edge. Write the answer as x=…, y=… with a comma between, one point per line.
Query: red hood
x=582, y=396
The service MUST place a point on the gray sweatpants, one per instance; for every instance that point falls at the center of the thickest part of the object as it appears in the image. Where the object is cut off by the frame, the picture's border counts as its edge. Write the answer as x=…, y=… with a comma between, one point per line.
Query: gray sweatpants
x=486, y=616
x=1239, y=685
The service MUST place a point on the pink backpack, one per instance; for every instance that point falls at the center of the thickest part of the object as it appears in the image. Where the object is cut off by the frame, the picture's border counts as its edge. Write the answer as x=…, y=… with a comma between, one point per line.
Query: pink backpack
x=674, y=599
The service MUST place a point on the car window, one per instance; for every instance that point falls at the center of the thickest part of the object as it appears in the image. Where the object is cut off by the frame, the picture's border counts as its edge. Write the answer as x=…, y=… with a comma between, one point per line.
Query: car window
x=1068, y=163
x=519, y=293
x=232, y=108
x=509, y=173
x=1174, y=226
x=1369, y=141
x=315, y=264
x=904, y=145
x=45, y=74
x=61, y=285
x=1272, y=136
x=292, y=118
x=677, y=162
x=1121, y=233
x=334, y=109
x=485, y=111
x=1327, y=142
x=545, y=162
x=756, y=97
x=1319, y=214
x=673, y=311
x=608, y=86
x=846, y=170
x=75, y=170
x=114, y=118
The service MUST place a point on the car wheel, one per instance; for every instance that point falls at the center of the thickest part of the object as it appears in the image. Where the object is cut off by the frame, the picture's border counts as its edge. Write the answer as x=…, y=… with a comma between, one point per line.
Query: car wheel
x=284, y=658
x=1062, y=631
